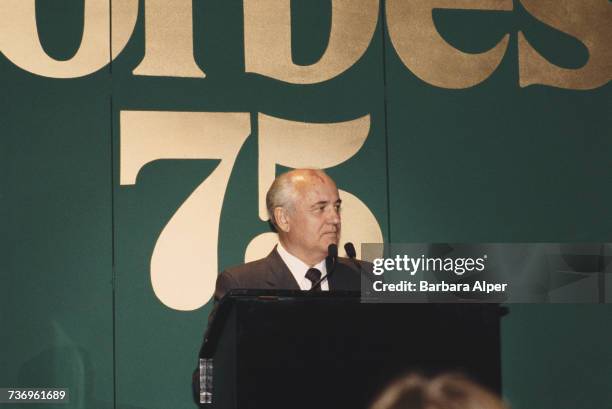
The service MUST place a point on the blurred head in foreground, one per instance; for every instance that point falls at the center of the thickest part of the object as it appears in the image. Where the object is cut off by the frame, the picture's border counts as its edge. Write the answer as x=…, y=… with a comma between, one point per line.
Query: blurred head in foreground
x=448, y=391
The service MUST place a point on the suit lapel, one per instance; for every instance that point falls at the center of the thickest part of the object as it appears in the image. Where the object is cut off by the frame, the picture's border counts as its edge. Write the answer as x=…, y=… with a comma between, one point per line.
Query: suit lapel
x=279, y=275
x=344, y=278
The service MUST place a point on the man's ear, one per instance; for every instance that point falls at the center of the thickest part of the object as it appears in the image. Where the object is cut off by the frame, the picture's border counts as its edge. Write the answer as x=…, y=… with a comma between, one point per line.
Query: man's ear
x=282, y=219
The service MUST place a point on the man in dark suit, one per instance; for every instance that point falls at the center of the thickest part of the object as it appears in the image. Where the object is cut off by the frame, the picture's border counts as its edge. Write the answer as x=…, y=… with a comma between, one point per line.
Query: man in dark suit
x=304, y=208
x=272, y=273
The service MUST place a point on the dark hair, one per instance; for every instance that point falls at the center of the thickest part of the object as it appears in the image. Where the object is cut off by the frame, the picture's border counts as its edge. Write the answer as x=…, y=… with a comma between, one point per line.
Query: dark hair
x=447, y=391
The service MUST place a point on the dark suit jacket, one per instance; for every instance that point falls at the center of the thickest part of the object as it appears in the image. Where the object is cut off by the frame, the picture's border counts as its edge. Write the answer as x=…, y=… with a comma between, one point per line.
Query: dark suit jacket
x=271, y=272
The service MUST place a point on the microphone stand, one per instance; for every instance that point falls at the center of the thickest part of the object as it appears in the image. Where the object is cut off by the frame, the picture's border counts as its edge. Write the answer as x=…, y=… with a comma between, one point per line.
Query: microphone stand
x=330, y=264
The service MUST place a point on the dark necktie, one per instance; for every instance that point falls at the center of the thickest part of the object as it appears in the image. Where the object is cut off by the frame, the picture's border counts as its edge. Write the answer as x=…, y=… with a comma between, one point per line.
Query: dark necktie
x=314, y=275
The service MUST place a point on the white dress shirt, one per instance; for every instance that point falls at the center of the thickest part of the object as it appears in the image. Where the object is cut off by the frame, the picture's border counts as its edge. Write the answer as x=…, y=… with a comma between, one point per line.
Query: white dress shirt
x=298, y=268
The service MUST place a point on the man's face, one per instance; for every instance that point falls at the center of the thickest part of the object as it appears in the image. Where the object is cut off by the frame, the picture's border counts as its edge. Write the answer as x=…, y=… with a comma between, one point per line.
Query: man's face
x=314, y=221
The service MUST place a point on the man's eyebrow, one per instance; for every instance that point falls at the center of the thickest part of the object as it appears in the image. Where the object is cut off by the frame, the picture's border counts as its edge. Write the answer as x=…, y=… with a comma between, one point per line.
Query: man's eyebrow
x=320, y=202
x=325, y=203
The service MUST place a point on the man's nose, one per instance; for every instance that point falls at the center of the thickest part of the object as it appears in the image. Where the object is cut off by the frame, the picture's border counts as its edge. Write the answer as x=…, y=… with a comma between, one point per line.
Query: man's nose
x=333, y=216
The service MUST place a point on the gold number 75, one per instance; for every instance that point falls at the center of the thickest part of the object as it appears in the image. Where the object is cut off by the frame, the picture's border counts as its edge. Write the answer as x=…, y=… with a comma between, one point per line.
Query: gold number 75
x=184, y=262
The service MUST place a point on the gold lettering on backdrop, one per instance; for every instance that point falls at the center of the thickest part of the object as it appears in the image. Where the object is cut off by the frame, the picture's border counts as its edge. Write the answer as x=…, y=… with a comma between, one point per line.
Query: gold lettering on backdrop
x=590, y=21
x=427, y=55
x=321, y=145
x=169, y=40
x=267, y=39
x=184, y=262
x=20, y=43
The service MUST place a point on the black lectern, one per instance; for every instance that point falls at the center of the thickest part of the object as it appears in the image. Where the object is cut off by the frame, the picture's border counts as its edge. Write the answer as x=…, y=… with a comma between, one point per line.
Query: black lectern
x=295, y=349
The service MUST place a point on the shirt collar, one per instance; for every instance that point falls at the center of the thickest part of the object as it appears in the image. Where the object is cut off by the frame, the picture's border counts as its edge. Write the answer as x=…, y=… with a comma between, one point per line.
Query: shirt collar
x=297, y=267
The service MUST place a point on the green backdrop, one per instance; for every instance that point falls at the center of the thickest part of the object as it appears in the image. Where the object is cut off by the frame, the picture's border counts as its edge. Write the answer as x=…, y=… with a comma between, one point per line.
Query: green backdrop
x=495, y=162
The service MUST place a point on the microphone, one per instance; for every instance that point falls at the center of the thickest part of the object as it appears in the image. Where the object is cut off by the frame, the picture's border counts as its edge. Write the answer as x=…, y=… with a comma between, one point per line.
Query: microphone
x=330, y=264
x=332, y=258
x=352, y=254
x=350, y=250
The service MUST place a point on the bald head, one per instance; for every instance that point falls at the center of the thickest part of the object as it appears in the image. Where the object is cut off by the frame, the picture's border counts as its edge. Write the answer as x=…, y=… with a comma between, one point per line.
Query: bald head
x=287, y=187
x=304, y=207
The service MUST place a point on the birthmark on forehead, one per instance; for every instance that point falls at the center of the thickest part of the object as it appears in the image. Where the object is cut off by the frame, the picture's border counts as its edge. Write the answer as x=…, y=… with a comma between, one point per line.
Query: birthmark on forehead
x=323, y=194
x=314, y=186
x=320, y=177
